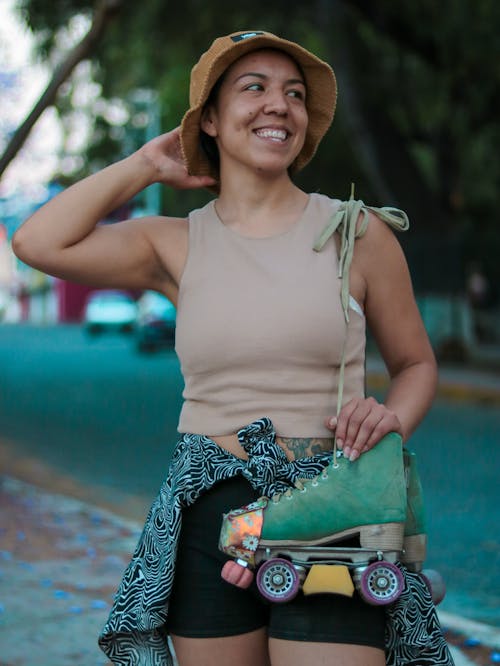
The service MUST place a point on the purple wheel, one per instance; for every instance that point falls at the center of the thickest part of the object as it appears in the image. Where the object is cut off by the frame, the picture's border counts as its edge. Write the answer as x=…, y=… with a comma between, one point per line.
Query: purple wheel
x=277, y=580
x=435, y=585
x=381, y=583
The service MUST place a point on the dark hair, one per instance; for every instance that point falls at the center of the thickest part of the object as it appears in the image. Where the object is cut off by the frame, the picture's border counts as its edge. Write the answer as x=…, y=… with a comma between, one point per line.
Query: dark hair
x=207, y=142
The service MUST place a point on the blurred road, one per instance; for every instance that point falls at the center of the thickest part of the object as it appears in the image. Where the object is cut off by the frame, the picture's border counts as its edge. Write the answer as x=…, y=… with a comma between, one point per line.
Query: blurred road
x=92, y=406
x=105, y=416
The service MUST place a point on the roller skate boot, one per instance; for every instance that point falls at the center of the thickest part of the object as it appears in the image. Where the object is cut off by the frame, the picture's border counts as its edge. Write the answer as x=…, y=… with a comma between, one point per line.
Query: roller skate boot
x=294, y=540
x=415, y=536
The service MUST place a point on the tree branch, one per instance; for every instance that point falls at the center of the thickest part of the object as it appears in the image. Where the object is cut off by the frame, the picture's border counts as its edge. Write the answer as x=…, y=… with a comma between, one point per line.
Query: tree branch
x=105, y=11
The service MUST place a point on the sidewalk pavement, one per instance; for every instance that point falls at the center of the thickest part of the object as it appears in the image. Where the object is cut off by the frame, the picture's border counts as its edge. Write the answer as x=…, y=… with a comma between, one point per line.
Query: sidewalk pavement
x=456, y=382
x=61, y=560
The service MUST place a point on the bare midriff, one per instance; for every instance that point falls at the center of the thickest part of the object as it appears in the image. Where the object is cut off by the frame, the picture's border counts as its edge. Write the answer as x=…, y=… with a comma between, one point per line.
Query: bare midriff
x=294, y=447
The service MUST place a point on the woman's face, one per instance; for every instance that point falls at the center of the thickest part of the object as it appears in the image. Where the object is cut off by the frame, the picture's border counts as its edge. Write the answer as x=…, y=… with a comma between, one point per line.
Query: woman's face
x=259, y=119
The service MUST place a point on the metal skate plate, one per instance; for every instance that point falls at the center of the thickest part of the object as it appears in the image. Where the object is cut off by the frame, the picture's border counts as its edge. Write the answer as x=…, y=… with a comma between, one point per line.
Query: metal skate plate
x=309, y=555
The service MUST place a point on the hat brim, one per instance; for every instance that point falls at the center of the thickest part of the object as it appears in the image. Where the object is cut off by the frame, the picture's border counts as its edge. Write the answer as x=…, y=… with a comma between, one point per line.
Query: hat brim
x=320, y=100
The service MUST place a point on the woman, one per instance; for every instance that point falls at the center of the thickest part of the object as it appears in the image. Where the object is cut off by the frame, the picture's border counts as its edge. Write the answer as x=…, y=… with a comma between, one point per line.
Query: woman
x=260, y=332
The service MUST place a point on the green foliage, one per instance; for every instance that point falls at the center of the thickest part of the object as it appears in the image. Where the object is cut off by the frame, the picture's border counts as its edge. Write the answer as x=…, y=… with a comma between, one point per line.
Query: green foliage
x=434, y=69
x=427, y=76
x=45, y=18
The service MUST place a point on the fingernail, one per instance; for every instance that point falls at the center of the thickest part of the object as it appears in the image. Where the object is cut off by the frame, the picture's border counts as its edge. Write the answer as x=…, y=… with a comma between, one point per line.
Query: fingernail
x=332, y=422
x=347, y=452
x=354, y=456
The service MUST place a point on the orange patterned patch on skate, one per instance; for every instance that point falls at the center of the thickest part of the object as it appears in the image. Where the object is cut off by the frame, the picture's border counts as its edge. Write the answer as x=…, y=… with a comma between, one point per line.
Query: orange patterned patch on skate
x=241, y=530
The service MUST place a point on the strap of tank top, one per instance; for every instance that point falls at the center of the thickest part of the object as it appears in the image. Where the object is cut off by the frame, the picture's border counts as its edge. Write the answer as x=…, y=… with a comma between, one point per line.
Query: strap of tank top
x=351, y=221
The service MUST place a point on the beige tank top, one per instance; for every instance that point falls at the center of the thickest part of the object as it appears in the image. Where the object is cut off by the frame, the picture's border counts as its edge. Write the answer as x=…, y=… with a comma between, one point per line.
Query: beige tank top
x=260, y=327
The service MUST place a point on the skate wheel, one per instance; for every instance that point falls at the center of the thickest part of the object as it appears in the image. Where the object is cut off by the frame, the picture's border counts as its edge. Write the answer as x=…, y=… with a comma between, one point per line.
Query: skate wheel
x=277, y=580
x=381, y=583
x=435, y=585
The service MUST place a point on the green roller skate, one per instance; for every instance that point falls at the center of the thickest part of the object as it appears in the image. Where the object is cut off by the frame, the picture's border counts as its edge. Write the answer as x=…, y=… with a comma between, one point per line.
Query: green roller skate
x=415, y=533
x=415, y=537
x=294, y=540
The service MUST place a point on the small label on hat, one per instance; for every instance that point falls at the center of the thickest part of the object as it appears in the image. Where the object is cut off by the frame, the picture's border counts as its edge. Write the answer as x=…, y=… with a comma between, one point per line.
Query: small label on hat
x=245, y=35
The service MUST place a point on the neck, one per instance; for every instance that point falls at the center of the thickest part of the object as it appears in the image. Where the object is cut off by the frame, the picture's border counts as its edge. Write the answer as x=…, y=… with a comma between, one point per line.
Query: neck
x=262, y=207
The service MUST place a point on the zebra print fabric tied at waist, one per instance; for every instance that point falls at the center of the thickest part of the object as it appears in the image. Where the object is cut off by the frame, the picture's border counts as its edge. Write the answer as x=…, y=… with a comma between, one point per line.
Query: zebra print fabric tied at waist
x=135, y=633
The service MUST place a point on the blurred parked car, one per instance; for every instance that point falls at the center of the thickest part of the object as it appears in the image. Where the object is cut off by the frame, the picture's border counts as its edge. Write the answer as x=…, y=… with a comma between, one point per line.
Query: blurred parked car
x=155, y=322
x=110, y=310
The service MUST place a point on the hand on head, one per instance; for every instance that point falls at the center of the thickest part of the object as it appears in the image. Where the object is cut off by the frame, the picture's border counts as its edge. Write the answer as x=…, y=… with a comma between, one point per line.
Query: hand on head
x=164, y=155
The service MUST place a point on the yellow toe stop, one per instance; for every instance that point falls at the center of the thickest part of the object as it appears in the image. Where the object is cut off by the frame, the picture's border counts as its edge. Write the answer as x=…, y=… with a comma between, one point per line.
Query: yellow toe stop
x=331, y=578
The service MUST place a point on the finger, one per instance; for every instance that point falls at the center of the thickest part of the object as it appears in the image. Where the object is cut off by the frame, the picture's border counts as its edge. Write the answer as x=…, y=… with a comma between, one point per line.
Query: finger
x=389, y=423
x=331, y=422
x=372, y=431
x=356, y=419
x=202, y=181
x=343, y=422
x=367, y=434
x=195, y=182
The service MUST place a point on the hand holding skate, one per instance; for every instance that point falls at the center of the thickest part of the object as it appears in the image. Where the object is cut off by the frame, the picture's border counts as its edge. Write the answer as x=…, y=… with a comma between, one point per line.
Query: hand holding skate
x=291, y=535
x=289, y=538
x=360, y=425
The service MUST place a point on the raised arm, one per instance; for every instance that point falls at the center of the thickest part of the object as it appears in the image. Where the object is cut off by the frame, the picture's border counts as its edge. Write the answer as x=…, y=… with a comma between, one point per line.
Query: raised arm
x=63, y=237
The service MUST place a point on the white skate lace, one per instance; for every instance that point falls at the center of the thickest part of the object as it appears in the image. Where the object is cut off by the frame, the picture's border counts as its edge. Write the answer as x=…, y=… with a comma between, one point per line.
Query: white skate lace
x=303, y=484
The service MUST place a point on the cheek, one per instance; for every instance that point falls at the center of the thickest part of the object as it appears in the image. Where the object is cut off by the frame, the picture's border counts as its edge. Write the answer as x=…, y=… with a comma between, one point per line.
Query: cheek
x=244, y=118
x=237, y=119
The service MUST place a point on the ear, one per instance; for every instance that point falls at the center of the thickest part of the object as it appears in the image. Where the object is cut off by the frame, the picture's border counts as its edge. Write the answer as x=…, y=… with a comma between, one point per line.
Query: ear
x=207, y=121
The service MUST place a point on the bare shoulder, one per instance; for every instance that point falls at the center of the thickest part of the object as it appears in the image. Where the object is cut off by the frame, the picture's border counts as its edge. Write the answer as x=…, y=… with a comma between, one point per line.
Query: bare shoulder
x=378, y=250
x=390, y=306
x=378, y=235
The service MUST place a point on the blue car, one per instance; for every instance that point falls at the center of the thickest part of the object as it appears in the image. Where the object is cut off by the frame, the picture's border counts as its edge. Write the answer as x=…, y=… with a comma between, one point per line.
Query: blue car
x=109, y=310
x=155, y=327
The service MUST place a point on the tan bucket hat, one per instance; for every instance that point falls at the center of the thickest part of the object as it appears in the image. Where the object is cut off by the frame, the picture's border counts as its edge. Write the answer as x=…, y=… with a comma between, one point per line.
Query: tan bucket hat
x=320, y=100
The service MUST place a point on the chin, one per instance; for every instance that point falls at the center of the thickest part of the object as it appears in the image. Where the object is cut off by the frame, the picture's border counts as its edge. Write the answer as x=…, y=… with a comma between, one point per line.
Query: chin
x=275, y=167
x=276, y=163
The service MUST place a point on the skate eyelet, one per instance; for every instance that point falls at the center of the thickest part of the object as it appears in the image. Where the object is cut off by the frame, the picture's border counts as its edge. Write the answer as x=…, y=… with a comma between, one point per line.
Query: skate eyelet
x=335, y=465
x=314, y=483
x=303, y=490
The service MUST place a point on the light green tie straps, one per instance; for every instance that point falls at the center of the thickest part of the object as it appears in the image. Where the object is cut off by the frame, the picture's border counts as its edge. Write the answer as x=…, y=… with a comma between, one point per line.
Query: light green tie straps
x=345, y=221
x=351, y=221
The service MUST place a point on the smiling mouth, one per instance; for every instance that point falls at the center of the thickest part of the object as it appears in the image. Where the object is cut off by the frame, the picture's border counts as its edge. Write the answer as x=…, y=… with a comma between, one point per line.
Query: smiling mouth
x=278, y=135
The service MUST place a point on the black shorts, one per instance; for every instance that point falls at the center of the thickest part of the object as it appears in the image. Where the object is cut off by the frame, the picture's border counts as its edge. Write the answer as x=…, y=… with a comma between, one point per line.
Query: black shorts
x=203, y=605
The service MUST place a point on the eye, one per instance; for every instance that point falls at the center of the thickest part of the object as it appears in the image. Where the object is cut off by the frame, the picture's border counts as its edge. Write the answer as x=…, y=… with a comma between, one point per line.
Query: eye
x=255, y=86
x=298, y=94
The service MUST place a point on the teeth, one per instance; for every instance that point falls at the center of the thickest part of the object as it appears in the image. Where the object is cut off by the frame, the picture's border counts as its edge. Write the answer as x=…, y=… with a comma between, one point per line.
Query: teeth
x=272, y=134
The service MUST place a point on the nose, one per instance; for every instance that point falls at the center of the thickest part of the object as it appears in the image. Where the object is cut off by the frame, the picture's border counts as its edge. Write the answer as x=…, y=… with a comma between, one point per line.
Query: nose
x=276, y=102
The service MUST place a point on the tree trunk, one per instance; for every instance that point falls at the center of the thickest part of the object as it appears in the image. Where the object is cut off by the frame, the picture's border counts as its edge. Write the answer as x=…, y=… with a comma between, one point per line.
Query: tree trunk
x=104, y=12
